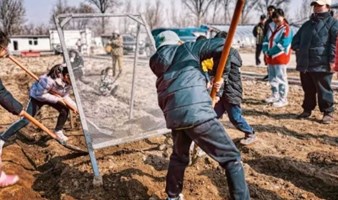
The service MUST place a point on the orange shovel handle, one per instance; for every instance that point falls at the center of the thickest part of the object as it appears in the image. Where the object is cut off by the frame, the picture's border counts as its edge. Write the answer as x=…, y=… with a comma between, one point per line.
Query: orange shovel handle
x=22, y=67
x=36, y=78
x=37, y=123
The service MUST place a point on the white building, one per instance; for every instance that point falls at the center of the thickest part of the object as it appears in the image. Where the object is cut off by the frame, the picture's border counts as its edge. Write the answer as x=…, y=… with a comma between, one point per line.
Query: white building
x=71, y=38
x=51, y=42
x=21, y=43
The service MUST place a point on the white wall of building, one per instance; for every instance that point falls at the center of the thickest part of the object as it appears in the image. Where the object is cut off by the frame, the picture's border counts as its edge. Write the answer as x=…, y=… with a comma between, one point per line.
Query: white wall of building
x=26, y=43
x=71, y=37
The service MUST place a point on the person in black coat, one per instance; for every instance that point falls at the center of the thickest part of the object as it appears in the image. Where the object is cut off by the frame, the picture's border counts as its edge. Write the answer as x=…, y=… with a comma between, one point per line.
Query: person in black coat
x=315, y=47
x=258, y=32
x=8, y=102
x=187, y=107
x=231, y=98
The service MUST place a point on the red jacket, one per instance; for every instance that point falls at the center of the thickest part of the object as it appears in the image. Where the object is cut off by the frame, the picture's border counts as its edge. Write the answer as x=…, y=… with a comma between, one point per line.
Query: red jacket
x=336, y=59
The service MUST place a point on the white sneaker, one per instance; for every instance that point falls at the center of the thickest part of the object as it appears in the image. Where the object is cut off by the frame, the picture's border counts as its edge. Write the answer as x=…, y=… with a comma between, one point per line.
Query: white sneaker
x=271, y=99
x=180, y=197
x=61, y=136
x=1, y=146
x=280, y=103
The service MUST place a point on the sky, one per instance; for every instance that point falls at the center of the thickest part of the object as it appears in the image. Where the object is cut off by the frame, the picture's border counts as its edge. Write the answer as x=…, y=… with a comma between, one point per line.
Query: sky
x=39, y=11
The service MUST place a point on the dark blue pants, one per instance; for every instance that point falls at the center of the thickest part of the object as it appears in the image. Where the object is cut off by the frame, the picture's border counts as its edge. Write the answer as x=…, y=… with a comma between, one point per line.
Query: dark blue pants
x=235, y=115
x=317, y=86
x=212, y=138
x=259, y=48
x=32, y=108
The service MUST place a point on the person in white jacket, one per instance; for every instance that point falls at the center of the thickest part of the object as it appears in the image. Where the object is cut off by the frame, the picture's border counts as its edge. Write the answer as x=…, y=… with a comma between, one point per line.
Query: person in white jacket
x=51, y=89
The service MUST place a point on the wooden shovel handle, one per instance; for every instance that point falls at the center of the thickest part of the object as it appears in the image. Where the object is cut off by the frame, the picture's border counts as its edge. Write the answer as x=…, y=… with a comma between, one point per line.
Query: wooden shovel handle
x=226, y=49
x=36, y=78
x=22, y=67
x=37, y=123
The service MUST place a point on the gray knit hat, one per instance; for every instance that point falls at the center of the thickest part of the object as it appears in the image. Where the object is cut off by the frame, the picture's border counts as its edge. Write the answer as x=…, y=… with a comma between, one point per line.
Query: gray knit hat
x=167, y=38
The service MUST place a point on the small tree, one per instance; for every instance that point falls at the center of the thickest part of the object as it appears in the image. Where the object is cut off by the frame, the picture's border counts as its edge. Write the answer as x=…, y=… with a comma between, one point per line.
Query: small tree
x=103, y=6
x=198, y=8
x=61, y=7
x=226, y=9
x=248, y=8
x=215, y=13
x=179, y=18
x=12, y=13
x=83, y=8
x=33, y=29
x=263, y=4
x=153, y=14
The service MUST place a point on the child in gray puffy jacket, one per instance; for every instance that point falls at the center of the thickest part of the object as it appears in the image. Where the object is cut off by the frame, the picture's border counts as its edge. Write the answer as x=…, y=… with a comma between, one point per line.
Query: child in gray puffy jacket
x=51, y=89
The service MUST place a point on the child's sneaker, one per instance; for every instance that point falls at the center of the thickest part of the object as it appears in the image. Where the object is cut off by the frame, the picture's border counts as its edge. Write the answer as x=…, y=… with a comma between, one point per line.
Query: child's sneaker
x=7, y=180
x=271, y=99
x=327, y=118
x=249, y=138
x=61, y=136
x=280, y=103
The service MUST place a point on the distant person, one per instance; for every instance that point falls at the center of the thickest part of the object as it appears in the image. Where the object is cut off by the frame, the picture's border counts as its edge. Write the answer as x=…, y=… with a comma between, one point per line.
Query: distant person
x=79, y=45
x=117, y=51
x=188, y=111
x=258, y=32
x=107, y=81
x=277, y=50
x=267, y=28
x=315, y=46
x=77, y=64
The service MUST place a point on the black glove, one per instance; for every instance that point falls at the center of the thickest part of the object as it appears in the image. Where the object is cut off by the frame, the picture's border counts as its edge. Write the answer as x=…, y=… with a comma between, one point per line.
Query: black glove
x=9, y=102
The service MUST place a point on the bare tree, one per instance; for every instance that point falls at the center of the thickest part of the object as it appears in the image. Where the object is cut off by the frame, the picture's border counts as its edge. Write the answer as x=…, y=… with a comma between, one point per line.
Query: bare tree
x=83, y=8
x=303, y=13
x=153, y=13
x=179, y=18
x=127, y=8
x=198, y=8
x=249, y=6
x=33, y=29
x=60, y=7
x=12, y=13
x=104, y=6
x=226, y=7
x=216, y=9
x=263, y=4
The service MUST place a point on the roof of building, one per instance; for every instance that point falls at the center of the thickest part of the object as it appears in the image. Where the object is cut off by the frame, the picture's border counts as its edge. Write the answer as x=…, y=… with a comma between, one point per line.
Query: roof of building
x=29, y=36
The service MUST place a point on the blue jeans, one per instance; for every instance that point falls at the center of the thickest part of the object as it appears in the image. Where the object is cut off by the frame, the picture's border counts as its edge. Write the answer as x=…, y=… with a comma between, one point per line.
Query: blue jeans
x=212, y=138
x=235, y=115
x=32, y=108
x=278, y=80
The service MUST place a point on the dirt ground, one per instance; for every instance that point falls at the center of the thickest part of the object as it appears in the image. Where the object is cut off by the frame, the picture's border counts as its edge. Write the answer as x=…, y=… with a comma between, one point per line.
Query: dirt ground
x=292, y=159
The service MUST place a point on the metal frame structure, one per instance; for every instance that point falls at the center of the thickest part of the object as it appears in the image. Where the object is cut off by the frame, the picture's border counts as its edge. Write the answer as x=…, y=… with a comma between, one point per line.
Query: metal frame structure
x=60, y=22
